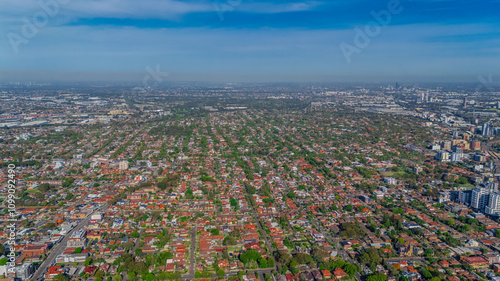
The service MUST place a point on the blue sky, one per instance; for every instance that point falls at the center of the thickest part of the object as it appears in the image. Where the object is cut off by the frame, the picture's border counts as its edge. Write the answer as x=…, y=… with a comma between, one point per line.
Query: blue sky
x=431, y=40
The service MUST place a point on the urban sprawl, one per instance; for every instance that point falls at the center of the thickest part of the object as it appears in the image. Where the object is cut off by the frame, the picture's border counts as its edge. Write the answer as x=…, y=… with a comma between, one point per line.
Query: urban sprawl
x=249, y=182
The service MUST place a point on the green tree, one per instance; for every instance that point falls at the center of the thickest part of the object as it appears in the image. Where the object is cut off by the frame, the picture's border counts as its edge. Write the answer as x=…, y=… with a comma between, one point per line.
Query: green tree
x=234, y=202
x=351, y=230
x=67, y=182
x=462, y=180
x=99, y=274
x=249, y=255
x=370, y=256
x=61, y=277
x=426, y=273
x=87, y=262
x=270, y=262
x=376, y=277
x=350, y=269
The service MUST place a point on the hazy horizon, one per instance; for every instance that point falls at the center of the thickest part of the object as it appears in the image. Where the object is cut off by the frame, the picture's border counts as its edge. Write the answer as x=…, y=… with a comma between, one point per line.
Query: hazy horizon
x=138, y=77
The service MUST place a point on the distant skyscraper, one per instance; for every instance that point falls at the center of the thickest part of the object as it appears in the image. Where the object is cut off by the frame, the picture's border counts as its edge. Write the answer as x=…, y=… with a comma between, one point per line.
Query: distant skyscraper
x=476, y=145
x=443, y=156
x=446, y=145
x=423, y=97
x=486, y=129
x=456, y=157
x=465, y=102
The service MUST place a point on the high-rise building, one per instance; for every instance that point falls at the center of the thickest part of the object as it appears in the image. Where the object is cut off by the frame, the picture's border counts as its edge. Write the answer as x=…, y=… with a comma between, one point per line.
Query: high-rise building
x=480, y=198
x=492, y=185
x=443, y=156
x=392, y=181
x=486, y=129
x=480, y=157
x=476, y=145
x=464, y=196
x=493, y=207
x=456, y=157
x=446, y=145
x=422, y=97
x=123, y=165
x=21, y=272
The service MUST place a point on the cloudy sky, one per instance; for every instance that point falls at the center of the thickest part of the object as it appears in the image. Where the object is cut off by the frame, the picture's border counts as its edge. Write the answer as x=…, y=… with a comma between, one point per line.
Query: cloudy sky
x=321, y=40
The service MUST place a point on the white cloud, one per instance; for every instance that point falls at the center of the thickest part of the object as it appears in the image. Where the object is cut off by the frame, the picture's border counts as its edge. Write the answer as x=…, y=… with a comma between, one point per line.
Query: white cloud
x=141, y=9
x=162, y=9
x=272, y=8
x=138, y=9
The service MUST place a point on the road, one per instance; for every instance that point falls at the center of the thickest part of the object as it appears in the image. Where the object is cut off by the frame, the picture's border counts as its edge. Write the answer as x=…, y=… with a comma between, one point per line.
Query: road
x=136, y=245
x=192, y=250
x=136, y=242
x=60, y=247
x=257, y=221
